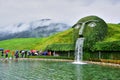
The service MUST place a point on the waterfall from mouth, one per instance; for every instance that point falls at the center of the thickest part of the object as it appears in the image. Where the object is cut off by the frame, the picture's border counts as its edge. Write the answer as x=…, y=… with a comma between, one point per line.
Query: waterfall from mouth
x=79, y=51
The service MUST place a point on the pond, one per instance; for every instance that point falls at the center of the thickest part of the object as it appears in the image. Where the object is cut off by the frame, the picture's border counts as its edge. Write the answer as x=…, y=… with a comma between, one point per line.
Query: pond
x=51, y=70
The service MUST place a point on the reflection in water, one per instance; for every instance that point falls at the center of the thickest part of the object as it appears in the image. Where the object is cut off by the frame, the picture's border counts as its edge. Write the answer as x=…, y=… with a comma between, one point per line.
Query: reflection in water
x=50, y=70
x=79, y=72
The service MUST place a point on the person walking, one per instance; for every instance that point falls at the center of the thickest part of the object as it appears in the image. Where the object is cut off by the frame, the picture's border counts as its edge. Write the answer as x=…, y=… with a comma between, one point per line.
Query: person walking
x=22, y=53
x=13, y=53
x=6, y=55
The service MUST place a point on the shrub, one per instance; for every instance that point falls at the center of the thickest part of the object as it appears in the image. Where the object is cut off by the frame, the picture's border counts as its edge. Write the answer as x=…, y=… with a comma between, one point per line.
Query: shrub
x=107, y=46
x=60, y=47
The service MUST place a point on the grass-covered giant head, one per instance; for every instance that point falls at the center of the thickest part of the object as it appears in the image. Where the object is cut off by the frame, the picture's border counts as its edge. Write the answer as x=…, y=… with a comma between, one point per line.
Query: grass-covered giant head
x=92, y=28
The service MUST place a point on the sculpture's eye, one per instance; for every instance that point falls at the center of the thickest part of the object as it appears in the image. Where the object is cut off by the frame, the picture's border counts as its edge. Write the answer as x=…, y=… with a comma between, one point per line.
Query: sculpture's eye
x=77, y=26
x=92, y=24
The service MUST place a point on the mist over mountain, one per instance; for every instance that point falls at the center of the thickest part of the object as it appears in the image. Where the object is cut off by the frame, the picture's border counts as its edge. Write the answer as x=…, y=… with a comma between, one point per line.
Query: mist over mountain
x=38, y=28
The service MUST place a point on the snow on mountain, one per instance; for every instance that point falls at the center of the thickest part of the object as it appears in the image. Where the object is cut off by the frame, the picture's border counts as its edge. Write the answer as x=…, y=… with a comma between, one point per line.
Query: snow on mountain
x=14, y=28
x=41, y=23
x=38, y=28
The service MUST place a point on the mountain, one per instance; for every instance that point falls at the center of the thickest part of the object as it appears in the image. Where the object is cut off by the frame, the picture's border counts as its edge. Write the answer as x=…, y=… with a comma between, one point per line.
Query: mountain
x=38, y=28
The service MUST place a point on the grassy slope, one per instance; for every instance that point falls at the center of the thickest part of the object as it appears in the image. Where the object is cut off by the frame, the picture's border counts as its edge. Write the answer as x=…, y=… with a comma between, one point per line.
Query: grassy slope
x=113, y=33
x=62, y=37
x=111, y=42
x=37, y=43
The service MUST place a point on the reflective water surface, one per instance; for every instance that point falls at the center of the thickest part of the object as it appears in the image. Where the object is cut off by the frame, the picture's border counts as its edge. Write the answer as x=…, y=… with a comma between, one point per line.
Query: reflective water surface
x=49, y=70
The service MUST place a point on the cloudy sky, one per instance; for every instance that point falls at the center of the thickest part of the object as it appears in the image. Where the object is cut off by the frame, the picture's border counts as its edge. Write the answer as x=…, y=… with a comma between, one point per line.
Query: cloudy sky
x=69, y=11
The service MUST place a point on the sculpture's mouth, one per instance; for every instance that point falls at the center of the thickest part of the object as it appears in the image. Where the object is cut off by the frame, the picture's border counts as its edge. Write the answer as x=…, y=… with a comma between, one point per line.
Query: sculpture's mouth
x=80, y=36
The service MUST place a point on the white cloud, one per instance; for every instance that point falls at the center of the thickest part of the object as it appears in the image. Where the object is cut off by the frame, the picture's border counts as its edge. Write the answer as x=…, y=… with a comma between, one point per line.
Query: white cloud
x=14, y=11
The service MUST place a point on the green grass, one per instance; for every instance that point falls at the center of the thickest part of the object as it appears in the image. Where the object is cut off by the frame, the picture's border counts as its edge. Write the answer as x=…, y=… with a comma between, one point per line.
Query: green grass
x=113, y=33
x=20, y=43
x=37, y=43
x=62, y=37
x=112, y=41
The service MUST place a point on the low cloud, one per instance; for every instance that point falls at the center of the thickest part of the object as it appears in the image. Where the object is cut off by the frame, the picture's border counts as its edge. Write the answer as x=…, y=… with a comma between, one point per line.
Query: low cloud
x=69, y=11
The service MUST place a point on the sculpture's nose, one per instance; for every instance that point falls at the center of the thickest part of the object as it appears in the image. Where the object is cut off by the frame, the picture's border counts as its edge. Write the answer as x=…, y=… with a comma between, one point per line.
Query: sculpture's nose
x=82, y=26
x=81, y=30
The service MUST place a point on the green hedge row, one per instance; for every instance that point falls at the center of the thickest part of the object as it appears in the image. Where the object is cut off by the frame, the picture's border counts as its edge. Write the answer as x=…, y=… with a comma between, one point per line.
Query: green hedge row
x=107, y=46
x=60, y=47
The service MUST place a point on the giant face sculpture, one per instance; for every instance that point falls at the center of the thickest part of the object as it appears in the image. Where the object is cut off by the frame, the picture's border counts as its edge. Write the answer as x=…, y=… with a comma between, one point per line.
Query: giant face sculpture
x=92, y=28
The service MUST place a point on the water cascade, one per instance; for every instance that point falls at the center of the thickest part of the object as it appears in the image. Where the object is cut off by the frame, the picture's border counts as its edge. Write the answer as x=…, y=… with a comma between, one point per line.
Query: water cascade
x=79, y=51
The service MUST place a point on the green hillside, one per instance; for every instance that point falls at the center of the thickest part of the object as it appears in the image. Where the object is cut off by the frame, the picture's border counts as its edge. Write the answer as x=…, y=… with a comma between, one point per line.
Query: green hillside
x=112, y=41
x=37, y=43
x=65, y=37
x=113, y=33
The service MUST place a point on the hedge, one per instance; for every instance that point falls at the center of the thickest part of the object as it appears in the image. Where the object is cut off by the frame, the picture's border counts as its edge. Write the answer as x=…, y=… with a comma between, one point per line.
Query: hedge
x=107, y=46
x=60, y=47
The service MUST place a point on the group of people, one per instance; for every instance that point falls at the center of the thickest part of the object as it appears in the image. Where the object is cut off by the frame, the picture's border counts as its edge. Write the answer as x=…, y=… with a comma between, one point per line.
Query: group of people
x=23, y=53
